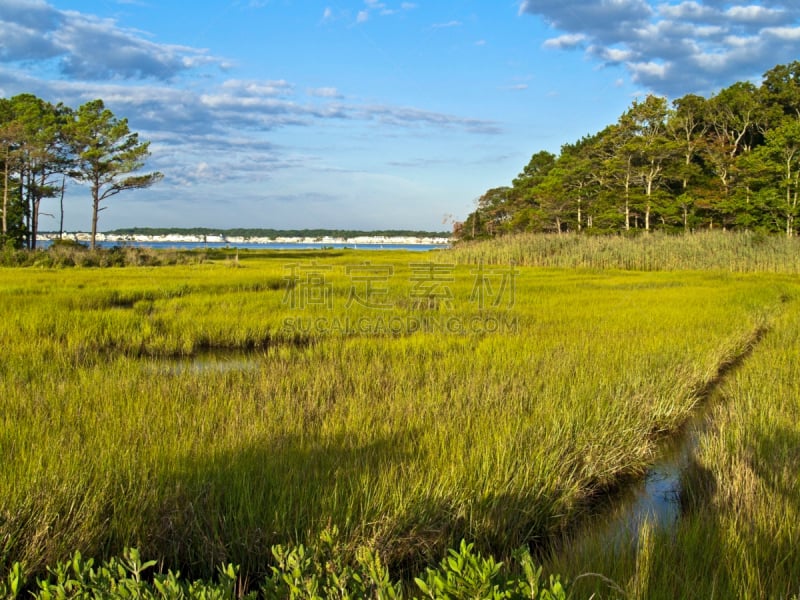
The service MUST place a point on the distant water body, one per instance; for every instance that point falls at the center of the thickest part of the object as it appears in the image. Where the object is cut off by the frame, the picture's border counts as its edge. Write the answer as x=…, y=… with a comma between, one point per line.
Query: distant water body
x=265, y=246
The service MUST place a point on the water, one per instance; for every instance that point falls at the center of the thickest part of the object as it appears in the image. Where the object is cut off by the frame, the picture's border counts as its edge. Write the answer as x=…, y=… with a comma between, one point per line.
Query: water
x=209, y=362
x=265, y=246
x=615, y=522
x=656, y=499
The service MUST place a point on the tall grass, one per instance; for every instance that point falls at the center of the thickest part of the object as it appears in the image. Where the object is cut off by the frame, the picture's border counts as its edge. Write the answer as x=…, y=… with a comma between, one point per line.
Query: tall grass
x=408, y=441
x=739, y=531
x=725, y=251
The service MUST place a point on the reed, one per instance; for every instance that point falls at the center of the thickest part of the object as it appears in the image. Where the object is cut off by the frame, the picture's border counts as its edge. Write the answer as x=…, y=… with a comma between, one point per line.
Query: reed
x=740, y=252
x=740, y=522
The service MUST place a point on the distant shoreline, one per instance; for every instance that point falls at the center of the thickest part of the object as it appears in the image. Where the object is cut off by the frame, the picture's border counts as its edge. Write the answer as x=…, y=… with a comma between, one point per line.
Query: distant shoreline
x=180, y=238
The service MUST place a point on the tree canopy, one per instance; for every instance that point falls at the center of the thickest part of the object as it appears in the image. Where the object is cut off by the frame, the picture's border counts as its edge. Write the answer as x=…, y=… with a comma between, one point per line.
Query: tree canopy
x=728, y=161
x=42, y=144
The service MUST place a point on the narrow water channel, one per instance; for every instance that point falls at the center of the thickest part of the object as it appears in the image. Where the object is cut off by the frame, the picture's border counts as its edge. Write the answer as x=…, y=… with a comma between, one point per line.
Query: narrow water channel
x=656, y=498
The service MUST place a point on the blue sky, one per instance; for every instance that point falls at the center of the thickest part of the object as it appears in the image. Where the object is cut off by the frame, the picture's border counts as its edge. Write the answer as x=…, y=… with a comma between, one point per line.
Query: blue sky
x=365, y=114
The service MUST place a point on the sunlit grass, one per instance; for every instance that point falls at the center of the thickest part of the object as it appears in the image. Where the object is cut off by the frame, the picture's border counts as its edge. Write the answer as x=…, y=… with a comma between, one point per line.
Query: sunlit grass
x=724, y=251
x=406, y=440
x=739, y=532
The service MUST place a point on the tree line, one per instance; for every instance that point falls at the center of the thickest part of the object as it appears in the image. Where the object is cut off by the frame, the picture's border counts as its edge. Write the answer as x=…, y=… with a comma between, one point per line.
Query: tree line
x=44, y=144
x=731, y=161
x=273, y=233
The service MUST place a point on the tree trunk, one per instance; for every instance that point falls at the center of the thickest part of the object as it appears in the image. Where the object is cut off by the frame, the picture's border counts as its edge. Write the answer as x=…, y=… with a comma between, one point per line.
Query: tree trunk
x=628, y=200
x=95, y=210
x=61, y=221
x=627, y=215
x=26, y=201
x=5, y=196
x=36, y=201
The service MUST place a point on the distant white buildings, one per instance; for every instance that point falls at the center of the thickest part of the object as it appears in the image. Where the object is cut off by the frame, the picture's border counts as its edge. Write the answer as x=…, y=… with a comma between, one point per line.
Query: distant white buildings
x=234, y=240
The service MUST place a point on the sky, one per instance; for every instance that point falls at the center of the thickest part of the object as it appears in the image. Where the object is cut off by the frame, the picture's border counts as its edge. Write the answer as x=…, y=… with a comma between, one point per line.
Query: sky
x=365, y=114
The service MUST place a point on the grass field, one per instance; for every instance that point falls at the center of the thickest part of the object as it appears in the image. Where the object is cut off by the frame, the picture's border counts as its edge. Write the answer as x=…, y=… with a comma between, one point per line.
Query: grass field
x=739, y=534
x=205, y=412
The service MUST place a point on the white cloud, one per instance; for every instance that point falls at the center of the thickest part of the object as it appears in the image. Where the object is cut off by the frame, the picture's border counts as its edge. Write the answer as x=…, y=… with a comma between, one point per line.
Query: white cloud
x=566, y=41
x=88, y=47
x=614, y=55
x=677, y=47
x=650, y=69
x=787, y=34
x=325, y=92
x=447, y=25
x=754, y=14
x=381, y=8
x=258, y=88
x=689, y=11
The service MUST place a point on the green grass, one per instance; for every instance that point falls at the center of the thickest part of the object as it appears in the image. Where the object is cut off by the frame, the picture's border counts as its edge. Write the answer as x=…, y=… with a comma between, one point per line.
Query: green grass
x=739, y=534
x=408, y=440
x=717, y=251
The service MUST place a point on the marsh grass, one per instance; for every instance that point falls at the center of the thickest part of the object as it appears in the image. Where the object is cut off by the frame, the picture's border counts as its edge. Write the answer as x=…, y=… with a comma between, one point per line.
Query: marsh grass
x=65, y=254
x=738, y=533
x=702, y=251
x=408, y=441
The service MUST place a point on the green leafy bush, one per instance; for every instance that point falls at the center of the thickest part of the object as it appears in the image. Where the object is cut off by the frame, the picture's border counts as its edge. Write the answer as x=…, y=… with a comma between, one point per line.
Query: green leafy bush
x=300, y=573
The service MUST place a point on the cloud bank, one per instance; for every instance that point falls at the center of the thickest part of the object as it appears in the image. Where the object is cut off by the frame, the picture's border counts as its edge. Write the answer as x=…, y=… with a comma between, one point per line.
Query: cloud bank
x=87, y=47
x=675, y=48
x=71, y=57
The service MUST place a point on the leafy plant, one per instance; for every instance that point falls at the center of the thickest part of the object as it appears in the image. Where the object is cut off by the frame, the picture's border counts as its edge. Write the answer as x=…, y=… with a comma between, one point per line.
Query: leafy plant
x=465, y=574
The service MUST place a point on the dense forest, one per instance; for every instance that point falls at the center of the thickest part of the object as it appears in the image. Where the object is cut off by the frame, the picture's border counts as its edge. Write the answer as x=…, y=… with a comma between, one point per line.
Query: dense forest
x=729, y=161
x=42, y=144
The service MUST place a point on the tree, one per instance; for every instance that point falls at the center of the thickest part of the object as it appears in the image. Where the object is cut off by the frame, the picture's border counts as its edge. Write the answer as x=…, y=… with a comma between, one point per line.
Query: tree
x=774, y=170
x=781, y=91
x=732, y=159
x=43, y=154
x=535, y=171
x=737, y=124
x=526, y=214
x=12, y=141
x=574, y=184
x=106, y=153
x=617, y=153
x=688, y=125
x=652, y=149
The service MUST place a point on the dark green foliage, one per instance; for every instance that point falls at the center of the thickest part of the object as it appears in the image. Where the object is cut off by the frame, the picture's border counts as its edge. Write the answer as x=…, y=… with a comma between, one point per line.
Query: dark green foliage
x=731, y=161
x=106, y=154
x=316, y=573
x=41, y=144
